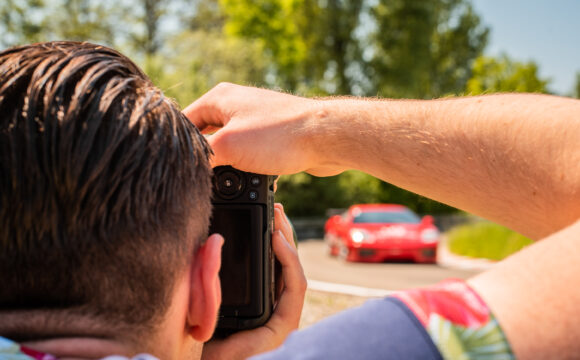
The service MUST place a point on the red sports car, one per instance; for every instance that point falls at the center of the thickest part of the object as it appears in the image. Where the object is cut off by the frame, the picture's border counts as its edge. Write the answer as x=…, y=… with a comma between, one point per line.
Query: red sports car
x=379, y=232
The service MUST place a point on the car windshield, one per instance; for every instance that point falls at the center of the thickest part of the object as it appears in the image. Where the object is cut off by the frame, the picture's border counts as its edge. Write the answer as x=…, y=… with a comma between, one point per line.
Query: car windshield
x=406, y=217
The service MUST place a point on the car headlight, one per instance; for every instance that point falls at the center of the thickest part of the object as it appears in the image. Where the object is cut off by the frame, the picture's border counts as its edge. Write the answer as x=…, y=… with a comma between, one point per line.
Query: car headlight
x=358, y=236
x=429, y=236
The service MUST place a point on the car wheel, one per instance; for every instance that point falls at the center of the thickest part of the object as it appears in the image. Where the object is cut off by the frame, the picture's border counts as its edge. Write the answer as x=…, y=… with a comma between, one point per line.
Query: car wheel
x=332, y=251
x=343, y=252
x=330, y=245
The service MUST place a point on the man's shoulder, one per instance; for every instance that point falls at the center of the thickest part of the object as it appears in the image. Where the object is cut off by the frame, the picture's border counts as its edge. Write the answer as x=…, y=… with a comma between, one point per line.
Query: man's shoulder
x=14, y=351
x=379, y=329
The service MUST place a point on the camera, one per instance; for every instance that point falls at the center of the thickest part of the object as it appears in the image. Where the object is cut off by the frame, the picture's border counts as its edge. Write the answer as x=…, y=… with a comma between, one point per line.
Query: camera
x=243, y=213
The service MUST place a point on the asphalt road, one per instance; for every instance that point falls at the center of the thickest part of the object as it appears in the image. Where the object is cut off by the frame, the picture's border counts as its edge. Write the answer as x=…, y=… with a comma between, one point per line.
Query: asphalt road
x=318, y=265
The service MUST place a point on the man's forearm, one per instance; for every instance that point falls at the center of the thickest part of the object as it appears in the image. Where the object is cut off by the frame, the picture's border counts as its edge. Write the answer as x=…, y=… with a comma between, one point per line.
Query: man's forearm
x=511, y=158
x=514, y=159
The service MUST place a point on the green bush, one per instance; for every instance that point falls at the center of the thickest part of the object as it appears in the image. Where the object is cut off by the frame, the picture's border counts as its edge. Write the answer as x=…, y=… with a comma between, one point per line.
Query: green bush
x=485, y=240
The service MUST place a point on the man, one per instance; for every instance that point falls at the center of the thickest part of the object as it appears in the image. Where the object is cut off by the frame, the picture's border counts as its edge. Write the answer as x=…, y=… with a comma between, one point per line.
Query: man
x=512, y=158
x=104, y=211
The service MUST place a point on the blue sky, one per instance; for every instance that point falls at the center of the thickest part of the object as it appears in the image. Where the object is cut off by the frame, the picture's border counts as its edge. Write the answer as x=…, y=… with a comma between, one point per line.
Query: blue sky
x=547, y=32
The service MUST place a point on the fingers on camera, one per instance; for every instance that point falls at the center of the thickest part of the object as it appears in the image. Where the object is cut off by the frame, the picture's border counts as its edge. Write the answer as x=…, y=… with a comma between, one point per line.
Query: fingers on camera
x=282, y=223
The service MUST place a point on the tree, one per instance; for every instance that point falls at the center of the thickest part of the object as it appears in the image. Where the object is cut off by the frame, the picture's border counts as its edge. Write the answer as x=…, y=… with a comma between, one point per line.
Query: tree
x=208, y=16
x=393, y=48
x=505, y=75
x=335, y=51
x=28, y=21
x=150, y=42
x=311, y=44
x=20, y=22
x=424, y=49
x=195, y=61
x=81, y=20
x=276, y=25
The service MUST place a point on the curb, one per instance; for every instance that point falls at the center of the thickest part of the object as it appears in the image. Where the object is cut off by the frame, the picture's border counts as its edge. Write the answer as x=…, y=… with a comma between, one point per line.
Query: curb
x=447, y=259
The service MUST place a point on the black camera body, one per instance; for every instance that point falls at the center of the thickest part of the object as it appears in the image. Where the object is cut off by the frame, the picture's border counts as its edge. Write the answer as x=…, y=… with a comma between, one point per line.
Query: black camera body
x=243, y=213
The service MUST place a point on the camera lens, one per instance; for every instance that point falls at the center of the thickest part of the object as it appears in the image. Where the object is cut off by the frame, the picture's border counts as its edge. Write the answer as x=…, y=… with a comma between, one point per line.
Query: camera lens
x=229, y=184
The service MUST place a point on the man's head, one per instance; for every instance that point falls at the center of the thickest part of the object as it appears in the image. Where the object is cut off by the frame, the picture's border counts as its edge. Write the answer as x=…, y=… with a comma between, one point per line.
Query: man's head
x=104, y=191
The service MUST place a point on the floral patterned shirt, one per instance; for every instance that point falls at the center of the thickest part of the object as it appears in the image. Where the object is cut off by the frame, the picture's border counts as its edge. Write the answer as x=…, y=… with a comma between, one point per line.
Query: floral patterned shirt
x=458, y=321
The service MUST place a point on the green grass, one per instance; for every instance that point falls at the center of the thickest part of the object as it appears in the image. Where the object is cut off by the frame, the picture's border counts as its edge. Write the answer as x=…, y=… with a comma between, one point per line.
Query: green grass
x=485, y=240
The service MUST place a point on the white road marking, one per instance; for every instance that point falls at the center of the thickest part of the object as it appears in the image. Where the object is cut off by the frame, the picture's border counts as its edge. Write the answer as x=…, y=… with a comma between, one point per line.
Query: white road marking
x=347, y=289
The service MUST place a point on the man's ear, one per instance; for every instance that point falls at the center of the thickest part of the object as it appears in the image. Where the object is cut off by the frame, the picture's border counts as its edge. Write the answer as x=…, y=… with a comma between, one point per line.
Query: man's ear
x=205, y=295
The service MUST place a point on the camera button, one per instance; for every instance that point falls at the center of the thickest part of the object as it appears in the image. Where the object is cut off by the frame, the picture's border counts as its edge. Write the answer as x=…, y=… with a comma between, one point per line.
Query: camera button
x=255, y=181
x=253, y=195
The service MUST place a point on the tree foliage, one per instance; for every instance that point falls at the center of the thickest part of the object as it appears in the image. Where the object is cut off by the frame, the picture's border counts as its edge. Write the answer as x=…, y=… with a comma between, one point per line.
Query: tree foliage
x=284, y=32
x=502, y=74
x=424, y=49
x=304, y=195
x=20, y=21
x=199, y=60
x=80, y=20
x=149, y=40
x=392, y=48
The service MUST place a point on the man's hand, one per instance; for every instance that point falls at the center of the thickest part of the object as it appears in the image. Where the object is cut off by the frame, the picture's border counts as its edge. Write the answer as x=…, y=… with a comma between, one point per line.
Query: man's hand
x=287, y=313
x=262, y=131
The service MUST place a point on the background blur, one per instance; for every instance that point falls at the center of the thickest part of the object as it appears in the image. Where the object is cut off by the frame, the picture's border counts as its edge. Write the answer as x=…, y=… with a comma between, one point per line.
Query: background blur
x=385, y=48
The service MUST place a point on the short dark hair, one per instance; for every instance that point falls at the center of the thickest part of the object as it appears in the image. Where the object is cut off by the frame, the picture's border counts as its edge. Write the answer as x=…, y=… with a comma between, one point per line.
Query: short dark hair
x=104, y=185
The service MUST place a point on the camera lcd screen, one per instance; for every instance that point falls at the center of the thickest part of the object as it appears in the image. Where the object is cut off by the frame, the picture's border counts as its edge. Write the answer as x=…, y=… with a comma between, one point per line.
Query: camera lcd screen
x=241, y=268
